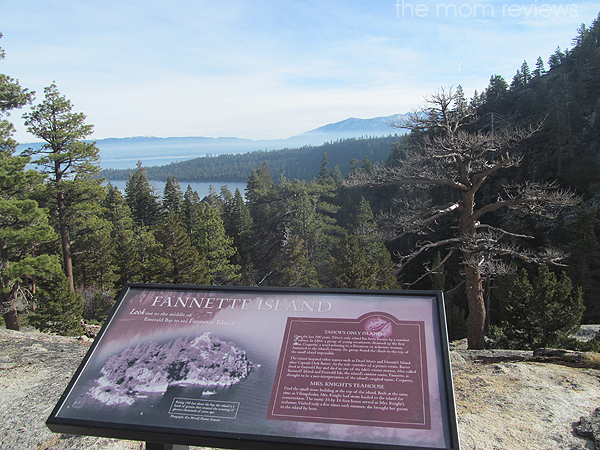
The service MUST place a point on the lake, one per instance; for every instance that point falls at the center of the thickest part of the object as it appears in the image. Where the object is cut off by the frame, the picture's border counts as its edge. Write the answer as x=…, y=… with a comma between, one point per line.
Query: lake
x=202, y=187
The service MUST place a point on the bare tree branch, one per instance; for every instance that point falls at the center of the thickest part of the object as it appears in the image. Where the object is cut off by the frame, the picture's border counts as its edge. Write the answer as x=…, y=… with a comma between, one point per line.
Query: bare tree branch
x=452, y=153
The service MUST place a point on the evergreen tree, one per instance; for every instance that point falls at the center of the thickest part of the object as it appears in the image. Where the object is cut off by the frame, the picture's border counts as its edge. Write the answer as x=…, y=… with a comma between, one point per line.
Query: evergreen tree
x=214, y=246
x=141, y=199
x=525, y=72
x=584, y=261
x=238, y=225
x=153, y=260
x=539, y=68
x=291, y=267
x=23, y=228
x=438, y=274
x=543, y=312
x=348, y=265
x=237, y=220
x=124, y=251
x=182, y=263
x=324, y=175
x=518, y=81
x=68, y=160
x=556, y=58
x=260, y=184
x=214, y=200
x=23, y=224
x=93, y=254
x=461, y=101
x=12, y=96
x=172, y=199
x=58, y=309
x=496, y=89
x=360, y=260
x=336, y=175
x=226, y=198
x=309, y=216
x=190, y=210
x=477, y=100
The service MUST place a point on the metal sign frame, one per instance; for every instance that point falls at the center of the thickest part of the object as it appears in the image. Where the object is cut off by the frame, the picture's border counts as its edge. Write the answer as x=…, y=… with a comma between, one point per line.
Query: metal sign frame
x=245, y=367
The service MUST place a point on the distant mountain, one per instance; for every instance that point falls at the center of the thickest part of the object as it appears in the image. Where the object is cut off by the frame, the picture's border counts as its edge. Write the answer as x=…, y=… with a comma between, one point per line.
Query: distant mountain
x=353, y=127
x=123, y=153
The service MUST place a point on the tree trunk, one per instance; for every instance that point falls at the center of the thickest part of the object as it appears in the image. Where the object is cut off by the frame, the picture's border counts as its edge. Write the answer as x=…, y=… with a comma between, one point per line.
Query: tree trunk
x=11, y=319
x=7, y=298
x=473, y=279
x=7, y=302
x=64, y=238
x=476, y=302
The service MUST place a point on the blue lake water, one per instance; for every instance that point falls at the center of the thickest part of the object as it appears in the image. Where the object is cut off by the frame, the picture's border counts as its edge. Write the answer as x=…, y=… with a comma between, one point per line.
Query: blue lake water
x=202, y=187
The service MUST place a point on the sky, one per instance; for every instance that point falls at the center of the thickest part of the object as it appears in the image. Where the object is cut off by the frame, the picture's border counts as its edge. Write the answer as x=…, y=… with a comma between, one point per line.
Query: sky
x=267, y=69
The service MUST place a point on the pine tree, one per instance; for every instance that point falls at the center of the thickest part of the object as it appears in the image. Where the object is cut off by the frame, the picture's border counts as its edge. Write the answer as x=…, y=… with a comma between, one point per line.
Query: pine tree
x=348, y=265
x=183, y=264
x=556, y=58
x=260, y=184
x=438, y=274
x=525, y=72
x=172, y=199
x=291, y=267
x=153, y=263
x=584, y=261
x=23, y=228
x=68, y=160
x=124, y=252
x=518, y=81
x=360, y=260
x=214, y=246
x=323, y=175
x=237, y=220
x=190, y=210
x=58, y=309
x=214, y=200
x=93, y=254
x=336, y=175
x=238, y=225
x=496, y=89
x=543, y=312
x=24, y=225
x=226, y=198
x=477, y=100
x=141, y=199
x=461, y=101
x=539, y=68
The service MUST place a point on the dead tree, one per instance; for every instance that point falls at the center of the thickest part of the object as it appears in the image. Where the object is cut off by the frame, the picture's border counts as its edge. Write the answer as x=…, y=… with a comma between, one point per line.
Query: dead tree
x=453, y=154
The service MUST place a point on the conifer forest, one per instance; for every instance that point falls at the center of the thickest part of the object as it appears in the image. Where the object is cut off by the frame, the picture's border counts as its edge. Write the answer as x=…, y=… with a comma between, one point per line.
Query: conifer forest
x=492, y=198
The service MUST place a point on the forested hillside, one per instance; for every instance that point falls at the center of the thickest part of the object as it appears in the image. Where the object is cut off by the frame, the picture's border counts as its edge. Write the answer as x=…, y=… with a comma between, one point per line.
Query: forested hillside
x=295, y=163
x=491, y=198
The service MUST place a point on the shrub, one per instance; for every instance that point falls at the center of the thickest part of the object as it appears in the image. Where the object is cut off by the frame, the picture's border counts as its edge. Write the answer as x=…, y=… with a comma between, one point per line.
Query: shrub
x=541, y=313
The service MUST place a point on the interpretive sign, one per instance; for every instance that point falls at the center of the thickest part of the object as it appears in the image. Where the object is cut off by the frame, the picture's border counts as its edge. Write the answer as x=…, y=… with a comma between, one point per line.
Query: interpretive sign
x=236, y=367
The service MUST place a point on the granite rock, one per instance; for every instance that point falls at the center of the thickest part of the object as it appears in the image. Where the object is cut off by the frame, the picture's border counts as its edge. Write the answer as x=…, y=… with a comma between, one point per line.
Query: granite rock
x=504, y=400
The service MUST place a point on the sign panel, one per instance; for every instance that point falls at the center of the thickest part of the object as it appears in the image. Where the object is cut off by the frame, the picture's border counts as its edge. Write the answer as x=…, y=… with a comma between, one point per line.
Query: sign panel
x=246, y=367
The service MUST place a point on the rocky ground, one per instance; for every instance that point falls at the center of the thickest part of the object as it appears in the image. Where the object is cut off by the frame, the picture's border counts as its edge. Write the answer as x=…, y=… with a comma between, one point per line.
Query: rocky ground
x=505, y=400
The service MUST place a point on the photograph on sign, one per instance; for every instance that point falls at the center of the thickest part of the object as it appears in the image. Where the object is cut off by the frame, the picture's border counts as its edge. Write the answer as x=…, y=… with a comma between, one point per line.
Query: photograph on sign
x=329, y=366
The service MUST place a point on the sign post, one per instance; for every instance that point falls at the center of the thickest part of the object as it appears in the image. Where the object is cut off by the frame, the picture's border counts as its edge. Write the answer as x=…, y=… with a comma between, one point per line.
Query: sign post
x=234, y=367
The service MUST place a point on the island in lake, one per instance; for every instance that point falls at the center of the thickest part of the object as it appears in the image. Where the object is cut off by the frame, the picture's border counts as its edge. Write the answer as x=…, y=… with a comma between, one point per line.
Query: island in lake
x=151, y=368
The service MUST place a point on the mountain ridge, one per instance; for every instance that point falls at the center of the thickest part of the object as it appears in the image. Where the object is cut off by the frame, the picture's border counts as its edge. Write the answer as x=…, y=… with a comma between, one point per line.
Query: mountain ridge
x=123, y=153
